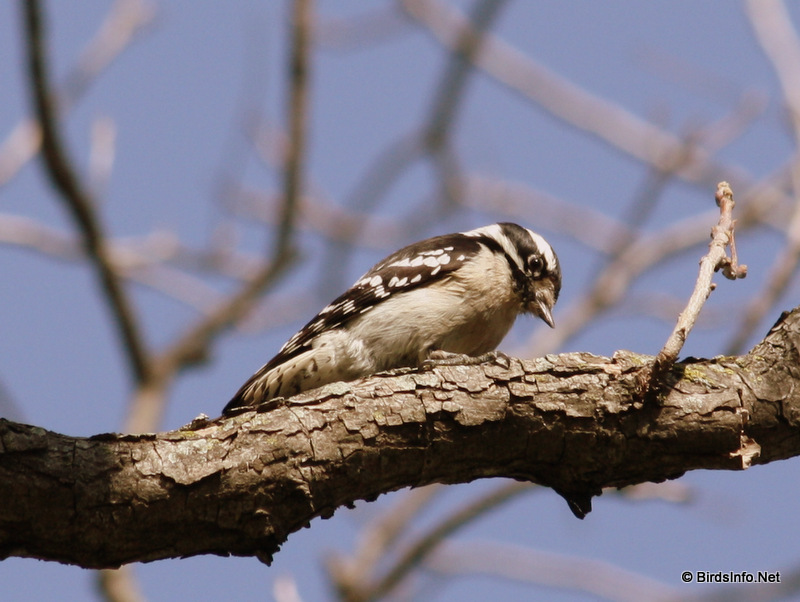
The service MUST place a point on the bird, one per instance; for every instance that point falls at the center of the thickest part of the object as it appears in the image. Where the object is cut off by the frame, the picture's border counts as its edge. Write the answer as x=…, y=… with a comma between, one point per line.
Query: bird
x=449, y=296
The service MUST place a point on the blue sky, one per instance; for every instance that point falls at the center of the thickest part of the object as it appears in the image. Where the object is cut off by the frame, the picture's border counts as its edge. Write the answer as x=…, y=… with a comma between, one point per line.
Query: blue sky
x=177, y=98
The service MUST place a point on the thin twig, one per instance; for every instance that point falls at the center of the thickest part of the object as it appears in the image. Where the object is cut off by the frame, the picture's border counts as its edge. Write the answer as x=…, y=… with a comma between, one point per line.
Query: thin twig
x=297, y=107
x=716, y=259
x=449, y=97
x=78, y=201
x=613, y=283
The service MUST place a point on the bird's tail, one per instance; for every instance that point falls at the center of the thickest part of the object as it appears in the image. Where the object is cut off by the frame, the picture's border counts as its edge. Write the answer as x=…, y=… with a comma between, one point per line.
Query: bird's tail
x=308, y=370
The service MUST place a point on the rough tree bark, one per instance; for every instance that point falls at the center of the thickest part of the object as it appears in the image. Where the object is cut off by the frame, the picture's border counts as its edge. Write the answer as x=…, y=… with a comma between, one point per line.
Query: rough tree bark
x=242, y=484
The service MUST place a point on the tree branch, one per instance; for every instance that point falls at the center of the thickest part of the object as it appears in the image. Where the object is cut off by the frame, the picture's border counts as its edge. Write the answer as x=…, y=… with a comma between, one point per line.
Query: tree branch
x=716, y=259
x=297, y=109
x=242, y=484
x=78, y=201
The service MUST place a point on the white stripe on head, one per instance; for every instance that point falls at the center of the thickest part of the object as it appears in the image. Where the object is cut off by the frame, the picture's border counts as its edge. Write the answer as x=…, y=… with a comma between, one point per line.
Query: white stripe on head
x=492, y=230
x=545, y=248
x=495, y=231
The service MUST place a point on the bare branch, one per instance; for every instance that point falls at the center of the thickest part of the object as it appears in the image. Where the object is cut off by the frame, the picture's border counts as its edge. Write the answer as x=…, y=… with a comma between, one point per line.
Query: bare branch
x=242, y=484
x=297, y=108
x=714, y=260
x=78, y=200
x=102, y=153
x=125, y=19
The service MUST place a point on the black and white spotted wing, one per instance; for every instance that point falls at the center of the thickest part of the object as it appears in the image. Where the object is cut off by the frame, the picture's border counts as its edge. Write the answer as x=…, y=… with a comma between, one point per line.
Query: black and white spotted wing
x=410, y=267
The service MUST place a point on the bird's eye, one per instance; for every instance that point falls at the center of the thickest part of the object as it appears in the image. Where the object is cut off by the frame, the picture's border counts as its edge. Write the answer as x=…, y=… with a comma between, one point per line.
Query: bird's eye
x=536, y=264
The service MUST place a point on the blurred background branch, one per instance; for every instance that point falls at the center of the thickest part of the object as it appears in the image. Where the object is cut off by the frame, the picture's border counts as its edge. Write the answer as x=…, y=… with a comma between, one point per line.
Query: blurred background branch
x=77, y=199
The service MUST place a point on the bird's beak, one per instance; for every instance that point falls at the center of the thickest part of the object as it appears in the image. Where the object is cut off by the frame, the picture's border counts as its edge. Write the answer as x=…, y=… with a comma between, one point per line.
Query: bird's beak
x=542, y=306
x=543, y=311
